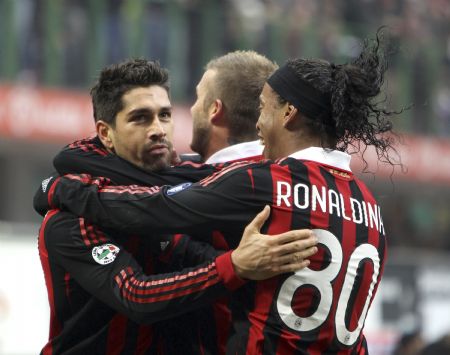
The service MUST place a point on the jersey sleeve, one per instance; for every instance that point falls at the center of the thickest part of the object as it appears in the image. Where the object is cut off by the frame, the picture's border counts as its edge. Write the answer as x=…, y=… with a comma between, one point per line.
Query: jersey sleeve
x=107, y=271
x=180, y=250
x=89, y=156
x=225, y=200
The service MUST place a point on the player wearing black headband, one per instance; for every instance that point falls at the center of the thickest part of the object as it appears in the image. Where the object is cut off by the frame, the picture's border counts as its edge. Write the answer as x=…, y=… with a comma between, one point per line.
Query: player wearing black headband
x=311, y=111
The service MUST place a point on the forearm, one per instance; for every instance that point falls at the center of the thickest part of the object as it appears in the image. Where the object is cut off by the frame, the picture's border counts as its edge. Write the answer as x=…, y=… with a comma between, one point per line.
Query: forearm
x=135, y=209
x=148, y=299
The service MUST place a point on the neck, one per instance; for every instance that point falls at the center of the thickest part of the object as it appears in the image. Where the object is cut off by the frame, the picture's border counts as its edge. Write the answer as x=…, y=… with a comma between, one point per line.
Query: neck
x=297, y=141
x=218, y=140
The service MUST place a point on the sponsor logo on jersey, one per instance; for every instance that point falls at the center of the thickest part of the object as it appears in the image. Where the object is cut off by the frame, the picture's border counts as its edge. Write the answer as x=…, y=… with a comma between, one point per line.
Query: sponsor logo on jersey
x=178, y=188
x=105, y=254
x=45, y=183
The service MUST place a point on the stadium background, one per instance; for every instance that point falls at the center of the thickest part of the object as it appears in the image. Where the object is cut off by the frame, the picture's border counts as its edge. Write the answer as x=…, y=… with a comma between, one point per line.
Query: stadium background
x=52, y=50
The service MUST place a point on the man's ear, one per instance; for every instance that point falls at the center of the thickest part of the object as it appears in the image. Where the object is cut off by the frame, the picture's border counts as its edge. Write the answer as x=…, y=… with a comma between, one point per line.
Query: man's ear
x=216, y=113
x=290, y=116
x=104, y=132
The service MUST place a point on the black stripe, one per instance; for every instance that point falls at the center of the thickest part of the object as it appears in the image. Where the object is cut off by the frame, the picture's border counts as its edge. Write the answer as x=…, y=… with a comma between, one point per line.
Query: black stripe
x=300, y=219
x=362, y=237
x=242, y=300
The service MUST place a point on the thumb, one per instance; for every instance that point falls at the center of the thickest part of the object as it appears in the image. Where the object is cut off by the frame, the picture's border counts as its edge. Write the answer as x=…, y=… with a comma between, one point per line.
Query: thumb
x=260, y=219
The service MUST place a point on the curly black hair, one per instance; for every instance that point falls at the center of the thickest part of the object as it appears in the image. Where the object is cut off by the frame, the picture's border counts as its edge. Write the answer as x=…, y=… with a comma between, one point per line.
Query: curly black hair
x=357, y=112
x=116, y=80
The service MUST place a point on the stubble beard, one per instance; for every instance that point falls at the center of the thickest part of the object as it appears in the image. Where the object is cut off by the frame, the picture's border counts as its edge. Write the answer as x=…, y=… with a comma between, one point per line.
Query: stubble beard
x=160, y=162
x=200, y=140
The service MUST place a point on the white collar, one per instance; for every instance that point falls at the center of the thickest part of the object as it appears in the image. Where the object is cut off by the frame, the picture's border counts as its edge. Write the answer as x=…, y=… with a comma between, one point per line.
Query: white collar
x=236, y=151
x=334, y=158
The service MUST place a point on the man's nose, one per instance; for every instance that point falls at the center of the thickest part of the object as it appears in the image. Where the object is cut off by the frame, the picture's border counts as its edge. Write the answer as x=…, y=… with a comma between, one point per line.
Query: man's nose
x=156, y=130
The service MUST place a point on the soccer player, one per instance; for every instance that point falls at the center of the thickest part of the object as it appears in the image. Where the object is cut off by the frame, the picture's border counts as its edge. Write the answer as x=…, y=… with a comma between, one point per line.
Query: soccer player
x=83, y=264
x=311, y=110
x=227, y=107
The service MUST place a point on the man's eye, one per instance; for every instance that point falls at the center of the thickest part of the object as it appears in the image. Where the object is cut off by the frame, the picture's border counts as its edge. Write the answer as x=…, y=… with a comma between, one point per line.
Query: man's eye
x=140, y=118
x=166, y=115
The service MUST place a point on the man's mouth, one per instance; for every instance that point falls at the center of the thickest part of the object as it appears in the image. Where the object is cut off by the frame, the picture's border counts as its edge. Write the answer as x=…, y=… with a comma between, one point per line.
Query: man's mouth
x=158, y=149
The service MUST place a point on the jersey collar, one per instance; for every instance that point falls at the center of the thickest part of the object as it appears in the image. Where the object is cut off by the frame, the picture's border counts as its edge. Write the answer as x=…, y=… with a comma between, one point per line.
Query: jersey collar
x=236, y=151
x=329, y=157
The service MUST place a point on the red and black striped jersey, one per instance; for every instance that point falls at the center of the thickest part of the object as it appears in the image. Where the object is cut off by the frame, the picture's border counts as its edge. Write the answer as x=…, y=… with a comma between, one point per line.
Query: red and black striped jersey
x=102, y=286
x=201, y=331
x=320, y=309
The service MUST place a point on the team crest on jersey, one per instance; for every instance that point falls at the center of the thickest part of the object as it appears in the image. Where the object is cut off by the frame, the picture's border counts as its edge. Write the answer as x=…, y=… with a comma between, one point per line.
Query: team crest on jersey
x=178, y=188
x=105, y=254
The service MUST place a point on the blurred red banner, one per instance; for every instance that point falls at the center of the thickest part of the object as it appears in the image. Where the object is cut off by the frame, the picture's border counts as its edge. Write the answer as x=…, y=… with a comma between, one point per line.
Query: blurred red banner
x=61, y=116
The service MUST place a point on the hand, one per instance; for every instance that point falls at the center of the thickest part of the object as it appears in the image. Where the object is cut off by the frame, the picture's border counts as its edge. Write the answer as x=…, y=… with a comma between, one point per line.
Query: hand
x=260, y=256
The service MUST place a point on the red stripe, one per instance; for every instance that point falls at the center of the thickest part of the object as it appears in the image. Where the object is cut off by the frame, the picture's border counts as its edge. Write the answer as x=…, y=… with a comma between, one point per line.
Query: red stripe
x=101, y=236
x=91, y=234
x=288, y=343
x=117, y=332
x=281, y=220
x=144, y=340
x=348, y=244
x=51, y=192
x=131, y=286
x=148, y=287
x=374, y=236
x=67, y=285
x=191, y=163
x=210, y=179
x=87, y=145
x=320, y=220
x=133, y=190
x=219, y=241
x=171, y=296
x=250, y=174
x=84, y=232
x=222, y=317
x=101, y=152
x=55, y=327
x=87, y=179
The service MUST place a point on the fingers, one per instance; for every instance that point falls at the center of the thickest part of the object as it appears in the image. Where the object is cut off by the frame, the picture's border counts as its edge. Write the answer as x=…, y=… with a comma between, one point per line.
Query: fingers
x=294, y=246
x=295, y=258
x=281, y=269
x=260, y=219
x=292, y=235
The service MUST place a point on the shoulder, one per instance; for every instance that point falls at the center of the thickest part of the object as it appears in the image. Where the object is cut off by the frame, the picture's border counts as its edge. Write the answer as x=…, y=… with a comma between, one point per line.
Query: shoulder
x=87, y=145
x=63, y=228
x=239, y=171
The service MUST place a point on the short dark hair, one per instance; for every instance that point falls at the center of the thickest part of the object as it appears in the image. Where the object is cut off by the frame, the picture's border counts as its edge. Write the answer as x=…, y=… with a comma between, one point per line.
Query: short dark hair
x=240, y=77
x=357, y=113
x=116, y=80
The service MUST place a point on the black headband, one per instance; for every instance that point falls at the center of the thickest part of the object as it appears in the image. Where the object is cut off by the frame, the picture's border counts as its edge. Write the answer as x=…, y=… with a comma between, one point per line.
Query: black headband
x=297, y=91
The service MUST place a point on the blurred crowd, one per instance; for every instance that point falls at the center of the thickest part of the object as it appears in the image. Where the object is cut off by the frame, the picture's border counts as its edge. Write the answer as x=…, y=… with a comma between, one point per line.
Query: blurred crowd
x=65, y=42
x=414, y=344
